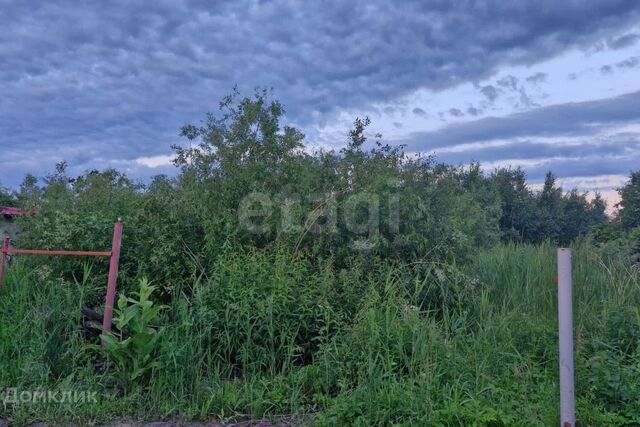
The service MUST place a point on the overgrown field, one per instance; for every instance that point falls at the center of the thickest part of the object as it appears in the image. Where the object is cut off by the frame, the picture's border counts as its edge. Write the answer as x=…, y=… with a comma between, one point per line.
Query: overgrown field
x=426, y=344
x=363, y=286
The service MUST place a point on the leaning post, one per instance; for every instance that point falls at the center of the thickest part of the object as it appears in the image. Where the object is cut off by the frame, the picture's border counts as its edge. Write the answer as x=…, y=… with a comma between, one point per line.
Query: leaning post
x=565, y=335
x=113, y=276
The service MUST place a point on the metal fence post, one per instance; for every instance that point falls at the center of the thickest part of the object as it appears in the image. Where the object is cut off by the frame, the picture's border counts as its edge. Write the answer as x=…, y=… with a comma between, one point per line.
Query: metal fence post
x=3, y=260
x=565, y=335
x=113, y=276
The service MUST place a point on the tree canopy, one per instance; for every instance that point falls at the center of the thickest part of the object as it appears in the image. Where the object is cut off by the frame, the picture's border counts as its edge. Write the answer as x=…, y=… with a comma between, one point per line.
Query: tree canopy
x=247, y=180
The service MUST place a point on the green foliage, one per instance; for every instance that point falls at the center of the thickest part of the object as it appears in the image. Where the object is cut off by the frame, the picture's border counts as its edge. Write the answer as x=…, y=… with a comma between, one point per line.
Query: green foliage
x=245, y=180
x=6, y=197
x=613, y=238
x=605, y=233
x=134, y=353
x=359, y=202
x=266, y=335
x=549, y=204
x=262, y=312
x=363, y=286
x=634, y=243
x=630, y=202
x=518, y=220
x=549, y=214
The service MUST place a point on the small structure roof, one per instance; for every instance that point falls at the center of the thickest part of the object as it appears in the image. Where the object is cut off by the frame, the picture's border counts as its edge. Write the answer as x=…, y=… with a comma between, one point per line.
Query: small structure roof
x=9, y=211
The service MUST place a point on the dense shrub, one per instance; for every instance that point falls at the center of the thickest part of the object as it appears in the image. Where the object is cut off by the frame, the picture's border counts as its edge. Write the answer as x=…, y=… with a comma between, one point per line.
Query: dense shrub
x=246, y=180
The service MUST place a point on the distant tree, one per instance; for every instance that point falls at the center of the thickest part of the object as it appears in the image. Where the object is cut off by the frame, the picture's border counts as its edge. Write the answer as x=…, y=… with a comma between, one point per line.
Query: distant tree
x=482, y=190
x=598, y=211
x=629, y=213
x=30, y=193
x=576, y=217
x=550, y=207
x=6, y=197
x=518, y=221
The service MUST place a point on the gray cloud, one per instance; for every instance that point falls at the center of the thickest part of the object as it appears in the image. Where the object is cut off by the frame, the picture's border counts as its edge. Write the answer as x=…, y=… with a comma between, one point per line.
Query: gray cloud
x=617, y=147
x=419, y=112
x=100, y=82
x=474, y=111
x=623, y=41
x=511, y=85
x=632, y=62
x=536, y=78
x=508, y=82
x=490, y=92
x=594, y=148
x=585, y=167
x=571, y=119
x=455, y=112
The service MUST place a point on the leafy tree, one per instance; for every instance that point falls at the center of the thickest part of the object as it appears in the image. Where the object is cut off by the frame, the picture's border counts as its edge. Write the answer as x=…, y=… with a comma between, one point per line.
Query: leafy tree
x=518, y=221
x=597, y=211
x=547, y=214
x=629, y=212
x=30, y=194
x=6, y=197
x=242, y=150
x=550, y=205
x=576, y=217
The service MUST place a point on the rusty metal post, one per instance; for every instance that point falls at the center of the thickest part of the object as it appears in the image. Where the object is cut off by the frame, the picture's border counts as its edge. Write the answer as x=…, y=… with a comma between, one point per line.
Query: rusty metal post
x=113, y=276
x=3, y=260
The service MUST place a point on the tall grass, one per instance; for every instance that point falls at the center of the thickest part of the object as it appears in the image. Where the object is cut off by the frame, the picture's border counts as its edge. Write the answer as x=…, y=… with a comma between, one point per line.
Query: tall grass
x=425, y=344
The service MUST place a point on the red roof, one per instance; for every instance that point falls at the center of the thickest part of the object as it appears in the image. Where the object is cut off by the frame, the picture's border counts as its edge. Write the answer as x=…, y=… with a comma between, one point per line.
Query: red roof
x=9, y=211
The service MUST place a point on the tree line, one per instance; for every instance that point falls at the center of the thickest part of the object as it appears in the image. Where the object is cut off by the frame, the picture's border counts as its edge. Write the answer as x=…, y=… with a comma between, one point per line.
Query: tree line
x=399, y=206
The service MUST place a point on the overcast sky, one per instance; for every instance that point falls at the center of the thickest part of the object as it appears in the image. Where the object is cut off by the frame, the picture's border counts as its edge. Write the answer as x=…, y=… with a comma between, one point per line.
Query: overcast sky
x=538, y=84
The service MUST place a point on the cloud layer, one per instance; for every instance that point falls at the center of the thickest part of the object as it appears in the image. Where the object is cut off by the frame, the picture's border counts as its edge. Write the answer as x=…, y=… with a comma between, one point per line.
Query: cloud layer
x=572, y=119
